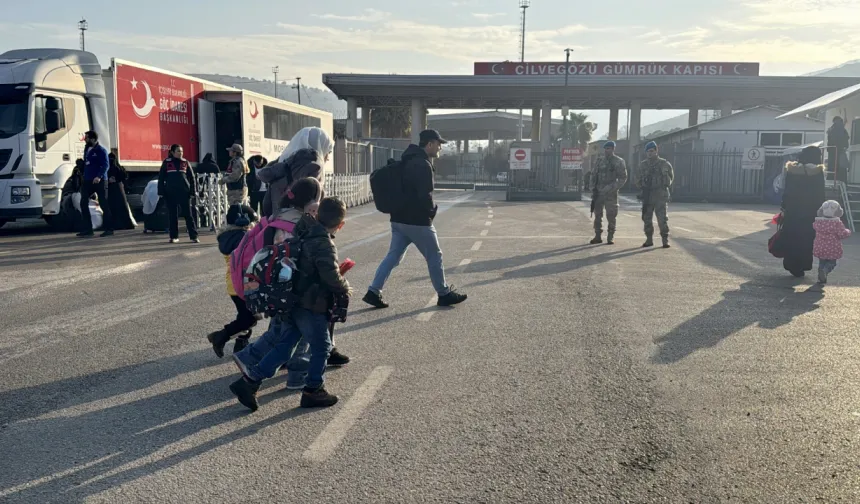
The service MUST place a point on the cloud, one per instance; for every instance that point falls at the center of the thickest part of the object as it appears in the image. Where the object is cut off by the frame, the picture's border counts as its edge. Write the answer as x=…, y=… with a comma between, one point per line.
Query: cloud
x=369, y=16
x=485, y=16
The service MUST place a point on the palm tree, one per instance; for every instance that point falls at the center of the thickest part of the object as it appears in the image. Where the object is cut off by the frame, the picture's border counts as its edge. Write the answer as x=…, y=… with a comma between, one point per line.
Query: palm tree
x=581, y=130
x=391, y=122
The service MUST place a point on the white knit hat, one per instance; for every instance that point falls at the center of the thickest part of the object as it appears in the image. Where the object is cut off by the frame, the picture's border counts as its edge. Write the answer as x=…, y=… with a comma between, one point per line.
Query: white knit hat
x=830, y=209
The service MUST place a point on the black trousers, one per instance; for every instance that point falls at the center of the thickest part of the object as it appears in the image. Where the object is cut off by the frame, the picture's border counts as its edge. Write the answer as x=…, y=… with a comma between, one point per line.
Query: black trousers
x=244, y=318
x=176, y=205
x=257, y=200
x=87, y=190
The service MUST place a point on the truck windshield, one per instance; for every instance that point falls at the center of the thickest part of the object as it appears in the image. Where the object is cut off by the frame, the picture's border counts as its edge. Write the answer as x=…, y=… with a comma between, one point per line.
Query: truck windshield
x=13, y=110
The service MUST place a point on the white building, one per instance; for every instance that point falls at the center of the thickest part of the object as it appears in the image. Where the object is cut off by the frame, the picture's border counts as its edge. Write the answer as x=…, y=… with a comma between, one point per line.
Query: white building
x=755, y=127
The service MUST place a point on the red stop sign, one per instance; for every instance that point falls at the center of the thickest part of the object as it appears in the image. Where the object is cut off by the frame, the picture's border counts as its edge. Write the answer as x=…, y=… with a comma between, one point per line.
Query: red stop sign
x=520, y=155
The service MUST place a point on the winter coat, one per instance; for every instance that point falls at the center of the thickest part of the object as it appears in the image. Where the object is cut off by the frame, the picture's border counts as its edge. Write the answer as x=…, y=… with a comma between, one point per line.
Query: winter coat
x=282, y=175
x=801, y=199
x=274, y=235
x=208, y=166
x=319, y=268
x=122, y=217
x=656, y=177
x=236, y=181
x=254, y=183
x=608, y=177
x=829, y=233
x=419, y=181
x=176, y=180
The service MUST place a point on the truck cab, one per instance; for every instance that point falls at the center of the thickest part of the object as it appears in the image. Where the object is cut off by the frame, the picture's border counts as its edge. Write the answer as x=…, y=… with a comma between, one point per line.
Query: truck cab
x=48, y=99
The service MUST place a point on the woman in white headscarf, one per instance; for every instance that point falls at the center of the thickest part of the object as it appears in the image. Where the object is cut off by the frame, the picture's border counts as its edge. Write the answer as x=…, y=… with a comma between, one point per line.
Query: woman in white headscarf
x=305, y=155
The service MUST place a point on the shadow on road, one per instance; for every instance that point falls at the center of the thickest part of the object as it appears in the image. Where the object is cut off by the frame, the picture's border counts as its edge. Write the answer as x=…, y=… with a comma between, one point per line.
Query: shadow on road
x=86, y=452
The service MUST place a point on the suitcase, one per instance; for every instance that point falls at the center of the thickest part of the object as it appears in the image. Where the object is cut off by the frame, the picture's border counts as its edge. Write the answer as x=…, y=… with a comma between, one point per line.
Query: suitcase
x=157, y=221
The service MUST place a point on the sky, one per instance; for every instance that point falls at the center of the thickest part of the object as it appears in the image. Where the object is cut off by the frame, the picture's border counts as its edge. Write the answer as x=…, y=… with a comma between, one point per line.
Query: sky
x=788, y=37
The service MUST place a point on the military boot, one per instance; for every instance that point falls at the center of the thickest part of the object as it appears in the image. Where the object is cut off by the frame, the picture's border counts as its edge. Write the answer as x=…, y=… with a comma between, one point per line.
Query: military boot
x=597, y=239
x=665, y=241
x=610, y=238
x=649, y=241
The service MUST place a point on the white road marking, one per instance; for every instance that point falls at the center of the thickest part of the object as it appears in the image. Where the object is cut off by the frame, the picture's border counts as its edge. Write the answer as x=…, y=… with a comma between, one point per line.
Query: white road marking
x=488, y=223
x=55, y=476
x=327, y=442
x=683, y=229
x=465, y=262
x=363, y=241
x=425, y=316
x=490, y=216
x=477, y=246
x=737, y=257
x=485, y=232
x=357, y=216
x=632, y=215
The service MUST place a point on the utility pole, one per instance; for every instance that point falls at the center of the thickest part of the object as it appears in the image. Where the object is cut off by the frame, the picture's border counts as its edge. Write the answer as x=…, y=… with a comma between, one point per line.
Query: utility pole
x=566, y=109
x=298, y=87
x=524, y=4
x=275, y=71
x=83, y=26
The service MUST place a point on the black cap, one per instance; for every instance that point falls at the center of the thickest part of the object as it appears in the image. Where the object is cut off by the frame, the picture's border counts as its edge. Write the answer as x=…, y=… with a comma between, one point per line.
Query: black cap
x=428, y=135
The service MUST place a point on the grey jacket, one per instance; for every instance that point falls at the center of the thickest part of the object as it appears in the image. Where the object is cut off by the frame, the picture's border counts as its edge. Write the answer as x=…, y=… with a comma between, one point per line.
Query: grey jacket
x=280, y=176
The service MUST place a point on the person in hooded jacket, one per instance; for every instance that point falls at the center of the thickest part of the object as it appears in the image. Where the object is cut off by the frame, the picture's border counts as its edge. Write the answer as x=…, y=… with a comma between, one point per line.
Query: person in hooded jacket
x=208, y=166
x=838, y=141
x=305, y=156
x=122, y=218
x=804, y=193
x=413, y=223
x=236, y=176
x=177, y=184
x=256, y=188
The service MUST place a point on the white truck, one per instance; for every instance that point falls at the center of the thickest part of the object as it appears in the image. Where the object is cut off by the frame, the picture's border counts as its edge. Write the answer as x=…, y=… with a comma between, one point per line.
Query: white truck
x=50, y=97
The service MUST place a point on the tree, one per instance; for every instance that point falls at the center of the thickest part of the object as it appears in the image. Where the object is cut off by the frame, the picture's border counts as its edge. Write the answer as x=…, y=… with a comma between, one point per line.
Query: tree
x=580, y=129
x=391, y=122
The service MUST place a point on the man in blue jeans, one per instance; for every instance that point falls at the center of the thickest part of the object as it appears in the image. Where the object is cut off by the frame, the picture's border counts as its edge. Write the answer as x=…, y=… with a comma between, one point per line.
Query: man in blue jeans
x=413, y=224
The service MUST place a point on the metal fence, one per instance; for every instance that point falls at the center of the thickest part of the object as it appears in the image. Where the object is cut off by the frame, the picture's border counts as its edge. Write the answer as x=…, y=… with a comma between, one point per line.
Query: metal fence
x=545, y=180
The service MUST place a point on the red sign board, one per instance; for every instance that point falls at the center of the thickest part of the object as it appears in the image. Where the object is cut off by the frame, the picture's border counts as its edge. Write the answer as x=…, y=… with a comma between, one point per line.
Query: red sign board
x=520, y=155
x=571, y=155
x=155, y=110
x=629, y=69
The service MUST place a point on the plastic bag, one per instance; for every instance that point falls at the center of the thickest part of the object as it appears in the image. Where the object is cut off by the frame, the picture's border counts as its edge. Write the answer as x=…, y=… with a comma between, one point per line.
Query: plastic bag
x=96, y=215
x=150, y=197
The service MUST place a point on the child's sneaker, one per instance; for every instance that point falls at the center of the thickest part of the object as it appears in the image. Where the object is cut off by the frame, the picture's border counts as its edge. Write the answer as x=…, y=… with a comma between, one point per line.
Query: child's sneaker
x=296, y=380
x=337, y=359
x=246, y=391
x=218, y=339
x=317, y=398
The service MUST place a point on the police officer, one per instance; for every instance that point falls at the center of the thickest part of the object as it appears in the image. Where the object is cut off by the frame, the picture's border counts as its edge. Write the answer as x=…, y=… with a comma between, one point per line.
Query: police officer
x=178, y=185
x=608, y=177
x=655, y=177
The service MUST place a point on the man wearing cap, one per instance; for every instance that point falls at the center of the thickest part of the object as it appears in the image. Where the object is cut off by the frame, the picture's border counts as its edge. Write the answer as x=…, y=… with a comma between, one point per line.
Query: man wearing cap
x=608, y=177
x=236, y=177
x=655, y=177
x=413, y=224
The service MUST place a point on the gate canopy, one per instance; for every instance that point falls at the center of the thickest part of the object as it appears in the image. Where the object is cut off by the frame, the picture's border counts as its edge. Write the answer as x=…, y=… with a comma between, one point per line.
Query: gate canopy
x=582, y=92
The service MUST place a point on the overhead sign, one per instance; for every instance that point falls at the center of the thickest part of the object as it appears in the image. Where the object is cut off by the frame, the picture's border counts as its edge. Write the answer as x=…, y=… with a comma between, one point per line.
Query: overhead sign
x=632, y=68
x=521, y=158
x=154, y=110
x=753, y=158
x=571, y=158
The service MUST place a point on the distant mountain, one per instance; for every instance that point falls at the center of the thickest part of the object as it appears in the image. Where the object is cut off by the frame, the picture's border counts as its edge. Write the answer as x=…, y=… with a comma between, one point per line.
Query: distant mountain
x=312, y=97
x=849, y=69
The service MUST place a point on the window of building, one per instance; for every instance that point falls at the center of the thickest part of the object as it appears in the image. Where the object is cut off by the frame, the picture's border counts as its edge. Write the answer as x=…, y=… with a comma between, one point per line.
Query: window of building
x=282, y=124
x=780, y=139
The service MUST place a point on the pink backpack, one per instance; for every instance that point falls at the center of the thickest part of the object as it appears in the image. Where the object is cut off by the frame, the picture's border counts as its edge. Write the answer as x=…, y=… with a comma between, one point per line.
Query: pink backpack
x=240, y=259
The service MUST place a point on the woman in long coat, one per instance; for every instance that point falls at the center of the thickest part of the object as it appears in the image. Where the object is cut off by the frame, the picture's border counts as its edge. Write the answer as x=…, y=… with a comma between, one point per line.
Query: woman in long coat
x=803, y=196
x=122, y=218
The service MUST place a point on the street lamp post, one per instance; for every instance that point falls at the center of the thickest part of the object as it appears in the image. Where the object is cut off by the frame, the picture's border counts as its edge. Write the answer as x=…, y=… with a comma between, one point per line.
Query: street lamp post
x=83, y=26
x=565, y=110
x=275, y=71
x=298, y=87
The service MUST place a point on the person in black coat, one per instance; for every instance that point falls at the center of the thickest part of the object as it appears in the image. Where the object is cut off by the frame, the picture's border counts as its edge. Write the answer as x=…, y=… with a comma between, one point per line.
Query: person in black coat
x=803, y=196
x=208, y=165
x=177, y=184
x=116, y=194
x=256, y=188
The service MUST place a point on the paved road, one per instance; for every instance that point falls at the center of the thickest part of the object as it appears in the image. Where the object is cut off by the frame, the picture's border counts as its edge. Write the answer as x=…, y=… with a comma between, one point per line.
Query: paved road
x=574, y=373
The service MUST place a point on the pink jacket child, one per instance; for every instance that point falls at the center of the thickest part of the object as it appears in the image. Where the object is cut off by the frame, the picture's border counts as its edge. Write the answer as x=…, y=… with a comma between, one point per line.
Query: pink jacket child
x=829, y=232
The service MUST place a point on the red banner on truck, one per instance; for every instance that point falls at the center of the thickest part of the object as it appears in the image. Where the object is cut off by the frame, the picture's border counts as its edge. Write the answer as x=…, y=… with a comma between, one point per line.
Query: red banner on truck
x=155, y=110
x=640, y=68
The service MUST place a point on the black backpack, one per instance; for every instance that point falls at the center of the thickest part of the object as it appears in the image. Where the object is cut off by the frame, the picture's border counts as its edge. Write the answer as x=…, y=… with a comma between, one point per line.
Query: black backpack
x=386, y=184
x=269, y=280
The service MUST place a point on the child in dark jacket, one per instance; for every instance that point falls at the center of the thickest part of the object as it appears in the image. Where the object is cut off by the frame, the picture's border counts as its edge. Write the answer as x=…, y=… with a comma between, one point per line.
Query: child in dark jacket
x=319, y=282
x=240, y=219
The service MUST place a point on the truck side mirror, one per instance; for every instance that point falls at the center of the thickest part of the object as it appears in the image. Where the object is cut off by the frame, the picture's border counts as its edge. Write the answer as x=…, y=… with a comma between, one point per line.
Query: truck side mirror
x=52, y=115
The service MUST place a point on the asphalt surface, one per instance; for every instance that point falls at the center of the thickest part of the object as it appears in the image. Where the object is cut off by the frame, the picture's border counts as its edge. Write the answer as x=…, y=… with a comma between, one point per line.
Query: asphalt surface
x=574, y=373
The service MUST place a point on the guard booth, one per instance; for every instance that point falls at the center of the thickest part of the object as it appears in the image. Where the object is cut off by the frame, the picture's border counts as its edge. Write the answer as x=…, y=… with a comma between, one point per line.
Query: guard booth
x=540, y=175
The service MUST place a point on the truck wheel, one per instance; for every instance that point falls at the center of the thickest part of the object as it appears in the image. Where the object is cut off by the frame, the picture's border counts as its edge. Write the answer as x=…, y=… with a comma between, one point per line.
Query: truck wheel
x=56, y=222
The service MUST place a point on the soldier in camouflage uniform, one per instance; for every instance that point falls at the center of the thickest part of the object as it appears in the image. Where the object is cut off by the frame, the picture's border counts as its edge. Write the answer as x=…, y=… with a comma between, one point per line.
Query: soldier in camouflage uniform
x=608, y=177
x=655, y=177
